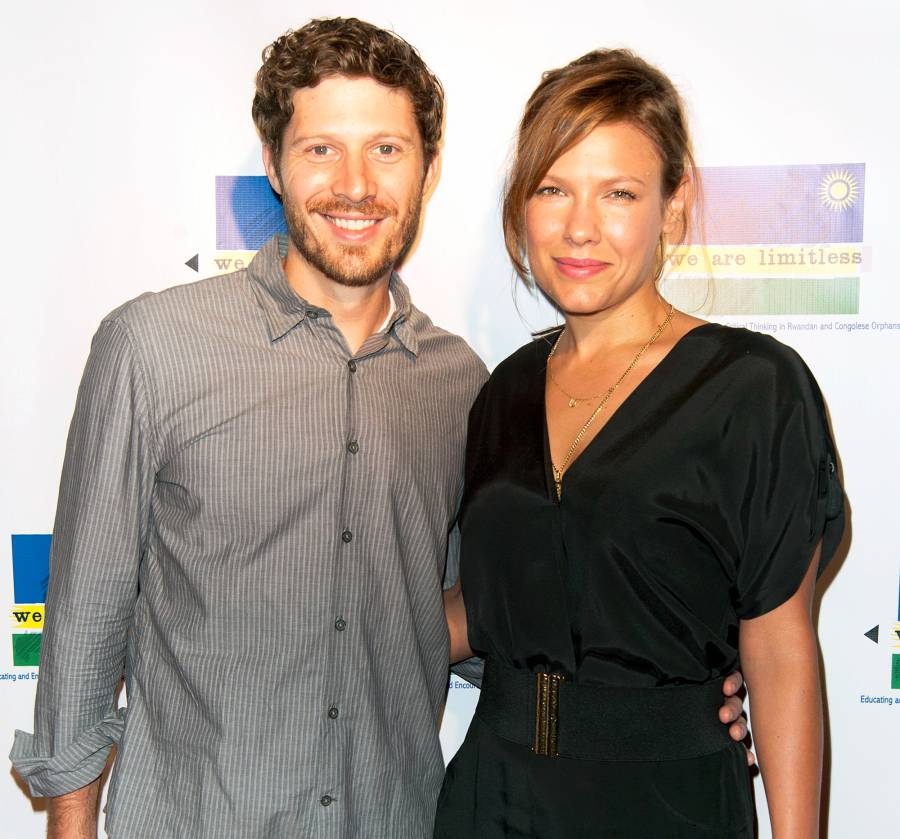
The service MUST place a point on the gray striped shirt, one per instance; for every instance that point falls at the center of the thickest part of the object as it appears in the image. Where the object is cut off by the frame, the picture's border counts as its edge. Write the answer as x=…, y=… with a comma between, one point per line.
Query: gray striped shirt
x=253, y=523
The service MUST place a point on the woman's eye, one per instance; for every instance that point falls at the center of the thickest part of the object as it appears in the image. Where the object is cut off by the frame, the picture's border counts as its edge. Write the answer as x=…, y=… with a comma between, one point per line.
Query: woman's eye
x=623, y=195
x=548, y=190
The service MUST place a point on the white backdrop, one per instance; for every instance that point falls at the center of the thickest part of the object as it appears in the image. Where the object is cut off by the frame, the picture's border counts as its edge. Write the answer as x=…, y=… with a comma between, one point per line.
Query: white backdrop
x=119, y=117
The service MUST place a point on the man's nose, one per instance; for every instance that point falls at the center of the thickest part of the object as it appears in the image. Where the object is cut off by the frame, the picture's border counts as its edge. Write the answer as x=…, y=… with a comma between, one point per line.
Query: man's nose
x=354, y=181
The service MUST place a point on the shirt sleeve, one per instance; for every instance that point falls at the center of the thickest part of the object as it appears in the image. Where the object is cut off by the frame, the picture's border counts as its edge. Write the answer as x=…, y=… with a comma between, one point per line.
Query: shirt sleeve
x=98, y=539
x=792, y=497
x=471, y=669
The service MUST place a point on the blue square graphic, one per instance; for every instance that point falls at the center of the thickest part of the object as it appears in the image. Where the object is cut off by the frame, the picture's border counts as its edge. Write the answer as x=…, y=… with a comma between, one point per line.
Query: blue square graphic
x=248, y=212
x=31, y=566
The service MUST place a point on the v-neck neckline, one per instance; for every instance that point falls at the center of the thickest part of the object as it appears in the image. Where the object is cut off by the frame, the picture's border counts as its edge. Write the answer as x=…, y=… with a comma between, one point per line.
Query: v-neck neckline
x=602, y=433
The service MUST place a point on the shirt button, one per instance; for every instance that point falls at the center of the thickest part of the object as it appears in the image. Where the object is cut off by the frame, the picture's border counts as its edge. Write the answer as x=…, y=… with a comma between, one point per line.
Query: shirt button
x=347, y=536
x=353, y=447
x=325, y=800
x=831, y=466
x=340, y=624
x=312, y=314
x=351, y=365
x=332, y=713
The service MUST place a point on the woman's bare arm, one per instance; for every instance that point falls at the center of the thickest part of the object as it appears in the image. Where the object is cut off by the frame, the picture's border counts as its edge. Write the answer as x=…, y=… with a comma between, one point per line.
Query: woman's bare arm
x=779, y=657
x=455, y=611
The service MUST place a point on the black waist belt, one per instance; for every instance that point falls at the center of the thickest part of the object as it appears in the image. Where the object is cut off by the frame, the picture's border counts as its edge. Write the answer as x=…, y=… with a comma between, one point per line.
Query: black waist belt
x=560, y=718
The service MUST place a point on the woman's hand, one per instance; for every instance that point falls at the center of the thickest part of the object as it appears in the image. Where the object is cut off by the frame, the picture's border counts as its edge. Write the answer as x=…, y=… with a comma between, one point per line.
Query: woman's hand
x=779, y=654
x=732, y=711
x=455, y=612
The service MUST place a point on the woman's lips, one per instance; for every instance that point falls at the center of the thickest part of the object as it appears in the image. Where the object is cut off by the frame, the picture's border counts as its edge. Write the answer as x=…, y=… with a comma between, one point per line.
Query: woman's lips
x=579, y=268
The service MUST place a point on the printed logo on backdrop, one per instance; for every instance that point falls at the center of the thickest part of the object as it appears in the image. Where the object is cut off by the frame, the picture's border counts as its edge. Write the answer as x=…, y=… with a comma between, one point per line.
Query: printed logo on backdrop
x=775, y=240
x=31, y=571
x=248, y=213
x=887, y=638
x=778, y=242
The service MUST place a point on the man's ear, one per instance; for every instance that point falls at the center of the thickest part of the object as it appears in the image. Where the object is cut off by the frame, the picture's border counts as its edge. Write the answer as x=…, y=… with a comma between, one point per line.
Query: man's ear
x=431, y=173
x=271, y=165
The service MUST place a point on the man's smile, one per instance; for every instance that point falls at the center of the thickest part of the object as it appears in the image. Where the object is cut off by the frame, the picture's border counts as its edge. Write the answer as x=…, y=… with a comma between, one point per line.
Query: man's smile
x=352, y=223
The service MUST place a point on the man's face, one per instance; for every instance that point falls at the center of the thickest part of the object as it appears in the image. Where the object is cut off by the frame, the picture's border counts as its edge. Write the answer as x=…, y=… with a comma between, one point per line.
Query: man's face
x=351, y=177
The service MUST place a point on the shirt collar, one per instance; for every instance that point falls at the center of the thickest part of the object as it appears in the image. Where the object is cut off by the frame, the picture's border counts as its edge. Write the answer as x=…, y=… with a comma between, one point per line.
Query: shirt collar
x=284, y=309
x=389, y=317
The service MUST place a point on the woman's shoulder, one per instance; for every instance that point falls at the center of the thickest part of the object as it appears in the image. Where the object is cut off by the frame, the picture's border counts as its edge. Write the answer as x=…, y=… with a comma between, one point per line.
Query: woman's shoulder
x=520, y=376
x=529, y=359
x=749, y=353
x=760, y=369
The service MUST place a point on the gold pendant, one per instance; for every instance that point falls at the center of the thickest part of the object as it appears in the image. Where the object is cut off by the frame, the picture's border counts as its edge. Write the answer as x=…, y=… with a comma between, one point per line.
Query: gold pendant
x=557, y=480
x=573, y=403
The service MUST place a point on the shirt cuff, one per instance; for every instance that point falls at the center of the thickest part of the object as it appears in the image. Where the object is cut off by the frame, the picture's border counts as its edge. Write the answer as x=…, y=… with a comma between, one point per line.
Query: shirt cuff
x=77, y=765
x=471, y=669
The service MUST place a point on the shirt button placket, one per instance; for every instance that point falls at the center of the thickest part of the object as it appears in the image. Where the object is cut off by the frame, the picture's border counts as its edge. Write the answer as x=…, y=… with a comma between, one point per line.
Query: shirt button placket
x=340, y=624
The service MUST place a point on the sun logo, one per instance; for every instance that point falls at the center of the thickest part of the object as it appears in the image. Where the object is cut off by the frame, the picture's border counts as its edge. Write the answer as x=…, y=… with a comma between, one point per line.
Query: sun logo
x=838, y=190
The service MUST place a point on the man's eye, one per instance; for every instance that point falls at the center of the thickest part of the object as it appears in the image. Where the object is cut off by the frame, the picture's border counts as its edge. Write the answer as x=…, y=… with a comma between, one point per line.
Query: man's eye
x=320, y=150
x=387, y=149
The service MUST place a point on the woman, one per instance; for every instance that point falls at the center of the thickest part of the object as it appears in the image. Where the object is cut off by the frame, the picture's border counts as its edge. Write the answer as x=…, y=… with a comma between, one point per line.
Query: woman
x=648, y=500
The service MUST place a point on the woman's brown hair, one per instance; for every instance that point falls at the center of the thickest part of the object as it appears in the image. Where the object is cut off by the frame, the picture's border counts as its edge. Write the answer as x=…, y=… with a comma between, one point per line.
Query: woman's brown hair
x=604, y=86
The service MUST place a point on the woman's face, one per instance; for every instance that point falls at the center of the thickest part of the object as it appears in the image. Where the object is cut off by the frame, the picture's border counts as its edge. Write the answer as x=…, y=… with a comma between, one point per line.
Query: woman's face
x=593, y=224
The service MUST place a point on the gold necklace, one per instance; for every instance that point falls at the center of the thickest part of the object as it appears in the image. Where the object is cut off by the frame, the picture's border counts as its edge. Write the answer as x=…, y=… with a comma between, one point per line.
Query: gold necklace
x=558, y=470
x=574, y=400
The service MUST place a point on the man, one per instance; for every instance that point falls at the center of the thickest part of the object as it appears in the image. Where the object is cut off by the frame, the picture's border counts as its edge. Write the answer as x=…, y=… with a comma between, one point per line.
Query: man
x=260, y=479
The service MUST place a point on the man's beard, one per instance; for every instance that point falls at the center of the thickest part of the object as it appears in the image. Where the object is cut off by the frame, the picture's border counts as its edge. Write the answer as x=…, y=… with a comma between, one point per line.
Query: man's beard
x=352, y=265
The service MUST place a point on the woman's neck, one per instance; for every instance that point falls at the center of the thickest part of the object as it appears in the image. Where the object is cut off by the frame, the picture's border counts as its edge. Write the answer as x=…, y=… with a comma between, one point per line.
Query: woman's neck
x=587, y=336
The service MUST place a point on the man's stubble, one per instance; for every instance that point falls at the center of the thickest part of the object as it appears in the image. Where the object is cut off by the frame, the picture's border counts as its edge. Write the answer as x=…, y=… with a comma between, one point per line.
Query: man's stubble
x=352, y=265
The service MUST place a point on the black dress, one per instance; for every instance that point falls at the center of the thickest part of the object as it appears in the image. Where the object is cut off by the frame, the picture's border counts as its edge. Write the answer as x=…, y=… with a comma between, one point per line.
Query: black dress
x=698, y=504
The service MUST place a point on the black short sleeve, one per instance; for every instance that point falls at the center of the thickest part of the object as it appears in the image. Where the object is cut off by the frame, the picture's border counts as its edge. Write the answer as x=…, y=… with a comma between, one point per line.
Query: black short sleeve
x=792, y=497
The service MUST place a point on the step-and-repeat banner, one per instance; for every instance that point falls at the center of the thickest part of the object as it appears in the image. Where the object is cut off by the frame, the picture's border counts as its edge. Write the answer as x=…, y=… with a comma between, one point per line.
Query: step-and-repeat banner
x=131, y=164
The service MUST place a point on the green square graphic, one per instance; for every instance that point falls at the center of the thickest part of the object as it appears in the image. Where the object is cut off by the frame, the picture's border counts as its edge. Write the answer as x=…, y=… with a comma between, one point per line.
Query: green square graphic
x=27, y=649
x=895, y=672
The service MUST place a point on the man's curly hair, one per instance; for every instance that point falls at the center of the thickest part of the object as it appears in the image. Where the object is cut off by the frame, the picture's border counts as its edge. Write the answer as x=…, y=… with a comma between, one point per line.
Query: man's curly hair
x=343, y=47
